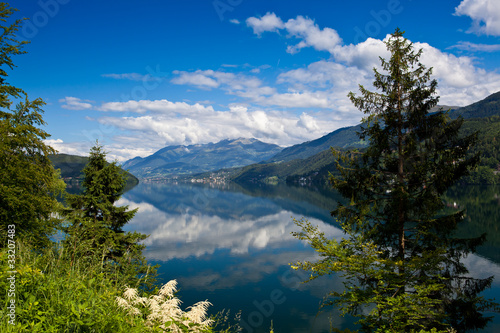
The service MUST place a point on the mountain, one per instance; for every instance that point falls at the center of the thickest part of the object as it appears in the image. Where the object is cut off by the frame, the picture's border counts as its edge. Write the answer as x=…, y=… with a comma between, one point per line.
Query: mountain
x=490, y=106
x=297, y=170
x=71, y=167
x=182, y=160
x=345, y=137
x=310, y=161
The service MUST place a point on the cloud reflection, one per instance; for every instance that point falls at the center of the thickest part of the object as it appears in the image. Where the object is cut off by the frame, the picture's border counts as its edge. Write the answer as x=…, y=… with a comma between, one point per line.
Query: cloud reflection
x=180, y=236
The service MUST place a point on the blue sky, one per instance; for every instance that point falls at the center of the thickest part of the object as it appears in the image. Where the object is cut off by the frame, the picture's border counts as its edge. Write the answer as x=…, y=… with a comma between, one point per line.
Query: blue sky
x=141, y=75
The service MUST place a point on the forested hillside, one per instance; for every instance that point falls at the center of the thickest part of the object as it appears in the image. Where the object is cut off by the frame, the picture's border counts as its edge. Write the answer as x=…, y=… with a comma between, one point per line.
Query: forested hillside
x=71, y=167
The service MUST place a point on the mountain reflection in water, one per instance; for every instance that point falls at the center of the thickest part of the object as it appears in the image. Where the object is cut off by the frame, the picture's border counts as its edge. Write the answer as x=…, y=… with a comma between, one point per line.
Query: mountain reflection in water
x=232, y=245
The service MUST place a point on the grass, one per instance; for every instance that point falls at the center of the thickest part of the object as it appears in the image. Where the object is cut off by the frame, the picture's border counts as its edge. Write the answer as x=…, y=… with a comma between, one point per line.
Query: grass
x=56, y=292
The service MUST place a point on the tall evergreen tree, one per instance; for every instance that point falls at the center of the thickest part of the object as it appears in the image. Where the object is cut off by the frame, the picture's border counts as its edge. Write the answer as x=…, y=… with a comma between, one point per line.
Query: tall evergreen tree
x=96, y=225
x=401, y=259
x=28, y=180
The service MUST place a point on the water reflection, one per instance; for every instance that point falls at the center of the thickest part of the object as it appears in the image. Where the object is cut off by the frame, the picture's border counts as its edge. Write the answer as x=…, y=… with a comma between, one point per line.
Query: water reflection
x=185, y=221
x=232, y=245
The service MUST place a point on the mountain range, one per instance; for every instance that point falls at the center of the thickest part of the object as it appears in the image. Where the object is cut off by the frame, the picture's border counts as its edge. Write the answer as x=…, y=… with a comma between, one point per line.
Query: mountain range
x=251, y=159
x=312, y=161
x=186, y=160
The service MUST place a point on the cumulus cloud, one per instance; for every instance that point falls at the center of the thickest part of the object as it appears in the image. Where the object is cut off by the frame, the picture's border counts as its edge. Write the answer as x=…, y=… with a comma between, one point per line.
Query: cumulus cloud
x=325, y=39
x=164, y=128
x=268, y=22
x=301, y=27
x=74, y=103
x=298, y=100
x=485, y=15
x=365, y=55
x=119, y=150
x=252, y=89
x=461, y=82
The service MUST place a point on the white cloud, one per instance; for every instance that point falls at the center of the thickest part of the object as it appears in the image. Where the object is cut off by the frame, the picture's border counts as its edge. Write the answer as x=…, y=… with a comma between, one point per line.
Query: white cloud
x=74, y=148
x=199, y=78
x=234, y=21
x=461, y=82
x=298, y=100
x=364, y=55
x=234, y=84
x=74, y=103
x=268, y=22
x=252, y=89
x=308, y=122
x=312, y=36
x=326, y=74
x=301, y=27
x=485, y=15
x=119, y=150
x=185, y=126
x=468, y=46
x=158, y=106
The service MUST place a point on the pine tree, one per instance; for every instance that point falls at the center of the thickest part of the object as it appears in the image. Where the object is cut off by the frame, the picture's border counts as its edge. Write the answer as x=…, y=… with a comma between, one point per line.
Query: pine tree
x=28, y=181
x=96, y=225
x=401, y=258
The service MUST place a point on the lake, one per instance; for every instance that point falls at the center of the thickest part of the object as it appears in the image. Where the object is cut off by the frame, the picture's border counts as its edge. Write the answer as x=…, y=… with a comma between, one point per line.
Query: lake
x=232, y=245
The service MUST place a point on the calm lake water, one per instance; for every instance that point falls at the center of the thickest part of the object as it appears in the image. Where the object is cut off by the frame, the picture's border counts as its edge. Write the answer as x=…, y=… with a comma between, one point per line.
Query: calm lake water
x=232, y=245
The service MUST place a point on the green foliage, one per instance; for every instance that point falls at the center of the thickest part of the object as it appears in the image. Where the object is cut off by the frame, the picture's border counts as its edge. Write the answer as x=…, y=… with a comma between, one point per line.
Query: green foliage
x=28, y=180
x=401, y=260
x=369, y=279
x=488, y=146
x=482, y=109
x=96, y=224
x=10, y=46
x=56, y=292
x=71, y=166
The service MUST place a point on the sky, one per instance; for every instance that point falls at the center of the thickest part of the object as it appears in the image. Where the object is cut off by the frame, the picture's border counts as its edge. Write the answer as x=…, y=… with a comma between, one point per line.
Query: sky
x=139, y=75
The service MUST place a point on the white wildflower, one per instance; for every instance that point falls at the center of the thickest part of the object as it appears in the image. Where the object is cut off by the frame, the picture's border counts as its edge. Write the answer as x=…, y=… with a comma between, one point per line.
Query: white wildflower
x=122, y=303
x=164, y=309
x=130, y=293
x=197, y=314
x=169, y=289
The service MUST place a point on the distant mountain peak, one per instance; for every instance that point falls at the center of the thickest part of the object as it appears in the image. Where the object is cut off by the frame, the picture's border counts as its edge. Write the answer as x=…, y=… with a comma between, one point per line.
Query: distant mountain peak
x=196, y=158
